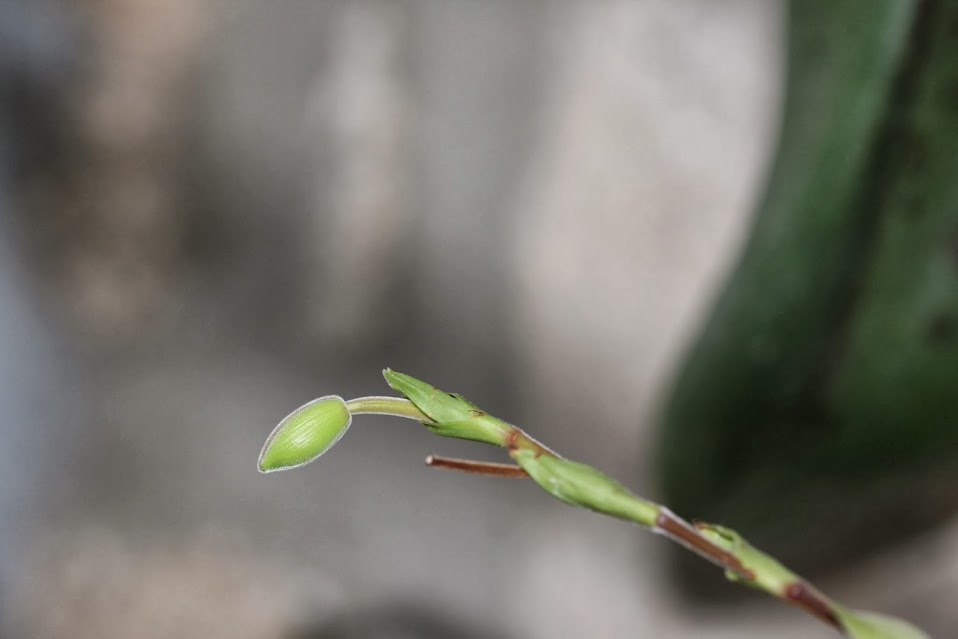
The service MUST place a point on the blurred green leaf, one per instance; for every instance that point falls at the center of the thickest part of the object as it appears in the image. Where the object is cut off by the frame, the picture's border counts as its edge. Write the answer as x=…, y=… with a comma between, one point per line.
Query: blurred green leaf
x=822, y=386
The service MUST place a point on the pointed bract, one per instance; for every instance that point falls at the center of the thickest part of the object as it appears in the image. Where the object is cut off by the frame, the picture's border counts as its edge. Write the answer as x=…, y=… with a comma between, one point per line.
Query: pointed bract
x=871, y=625
x=582, y=485
x=439, y=405
x=453, y=415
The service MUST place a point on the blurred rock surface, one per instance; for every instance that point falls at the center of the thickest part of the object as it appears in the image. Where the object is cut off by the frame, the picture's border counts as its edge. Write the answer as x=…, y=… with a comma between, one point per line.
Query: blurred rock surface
x=525, y=202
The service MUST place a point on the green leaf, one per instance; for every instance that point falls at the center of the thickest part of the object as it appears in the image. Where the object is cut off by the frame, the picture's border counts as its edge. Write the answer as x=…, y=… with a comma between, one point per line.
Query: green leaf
x=305, y=434
x=772, y=332
x=870, y=625
x=823, y=385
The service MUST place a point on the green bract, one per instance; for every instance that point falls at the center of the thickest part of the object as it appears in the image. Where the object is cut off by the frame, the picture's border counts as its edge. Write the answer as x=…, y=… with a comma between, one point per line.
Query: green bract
x=770, y=574
x=870, y=625
x=453, y=415
x=305, y=434
x=582, y=485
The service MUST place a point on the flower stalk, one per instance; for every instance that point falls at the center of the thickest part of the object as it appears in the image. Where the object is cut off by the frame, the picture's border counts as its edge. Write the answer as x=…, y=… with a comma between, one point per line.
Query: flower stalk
x=312, y=429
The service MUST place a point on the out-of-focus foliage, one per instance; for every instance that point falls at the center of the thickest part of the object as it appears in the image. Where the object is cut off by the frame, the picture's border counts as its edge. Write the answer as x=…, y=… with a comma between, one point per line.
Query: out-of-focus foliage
x=817, y=410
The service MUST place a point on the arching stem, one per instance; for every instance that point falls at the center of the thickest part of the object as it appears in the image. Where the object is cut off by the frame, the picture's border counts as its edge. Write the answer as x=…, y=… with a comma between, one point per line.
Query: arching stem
x=382, y=405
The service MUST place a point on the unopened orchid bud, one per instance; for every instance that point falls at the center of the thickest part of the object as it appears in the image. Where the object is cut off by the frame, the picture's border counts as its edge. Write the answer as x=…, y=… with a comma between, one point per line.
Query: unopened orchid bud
x=305, y=434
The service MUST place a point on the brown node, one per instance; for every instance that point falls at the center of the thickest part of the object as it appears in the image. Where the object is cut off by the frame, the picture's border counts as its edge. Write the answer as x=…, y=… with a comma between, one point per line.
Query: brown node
x=809, y=599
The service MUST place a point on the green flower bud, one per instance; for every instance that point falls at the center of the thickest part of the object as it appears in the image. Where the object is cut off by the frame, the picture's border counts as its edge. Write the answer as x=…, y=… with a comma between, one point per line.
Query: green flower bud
x=305, y=434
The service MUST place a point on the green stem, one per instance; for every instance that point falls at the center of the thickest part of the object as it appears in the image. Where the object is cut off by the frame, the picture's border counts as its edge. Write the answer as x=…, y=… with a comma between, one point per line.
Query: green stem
x=451, y=415
x=381, y=405
x=581, y=485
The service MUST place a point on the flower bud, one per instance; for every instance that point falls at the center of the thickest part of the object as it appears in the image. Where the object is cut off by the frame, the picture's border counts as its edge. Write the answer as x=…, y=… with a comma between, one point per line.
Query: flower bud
x=305, y=434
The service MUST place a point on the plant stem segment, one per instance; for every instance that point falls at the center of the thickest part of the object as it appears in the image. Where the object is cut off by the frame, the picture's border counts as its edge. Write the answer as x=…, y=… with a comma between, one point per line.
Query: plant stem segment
x=581, y=485
x=382, y=405
x=321, y=422
x=492, y=469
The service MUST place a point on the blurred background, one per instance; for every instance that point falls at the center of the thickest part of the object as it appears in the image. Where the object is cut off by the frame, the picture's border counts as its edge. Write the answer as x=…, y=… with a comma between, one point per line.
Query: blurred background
x=212, y=211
